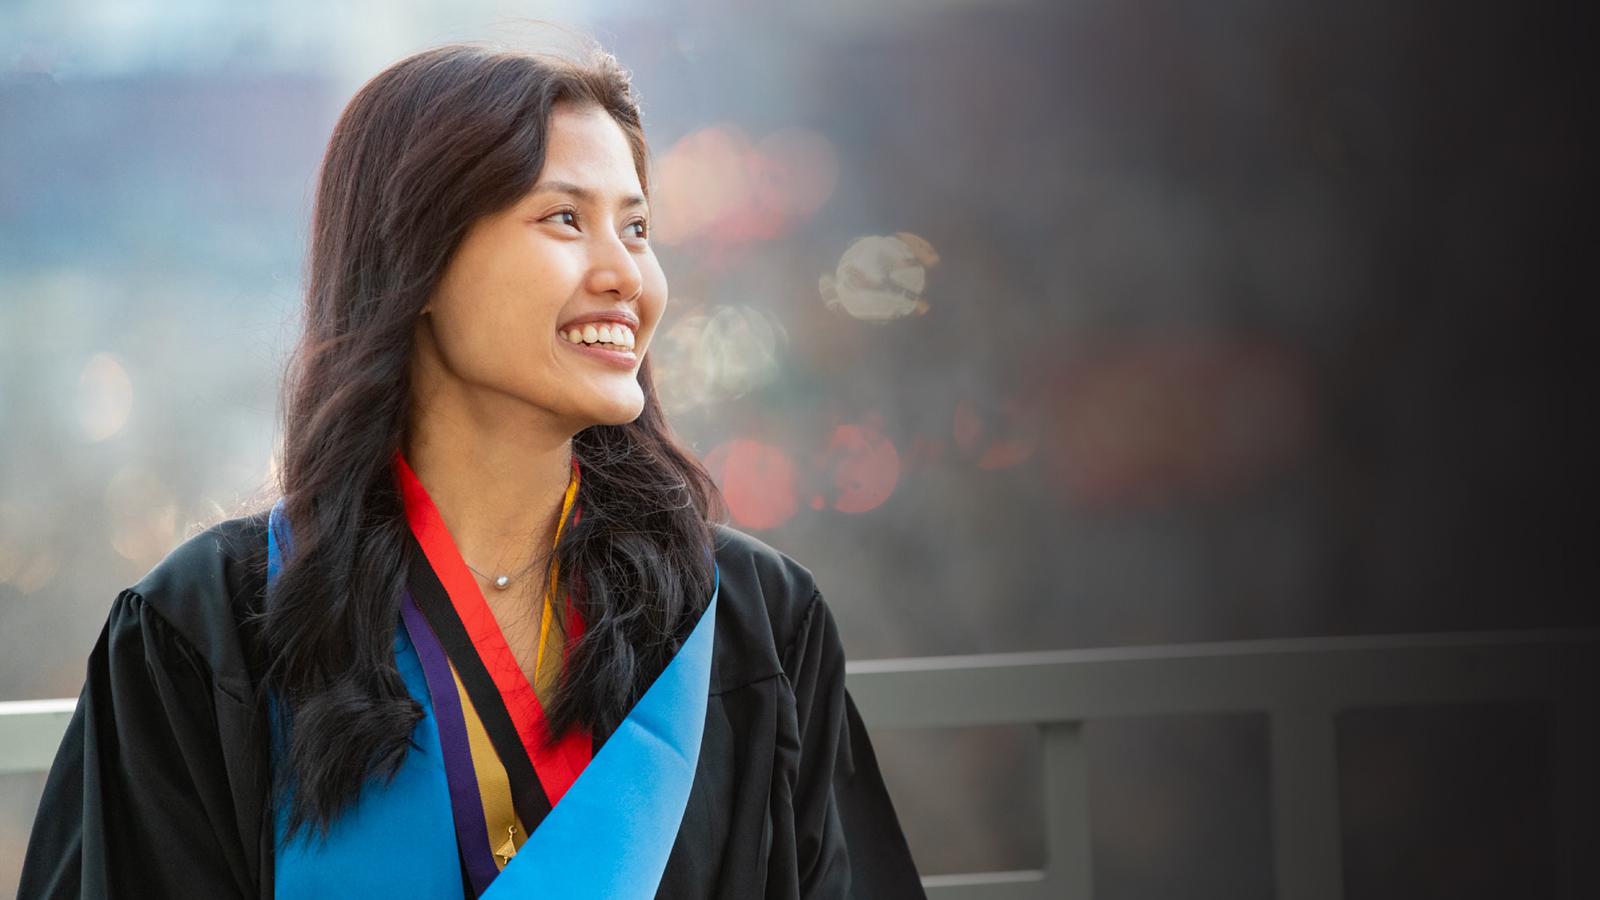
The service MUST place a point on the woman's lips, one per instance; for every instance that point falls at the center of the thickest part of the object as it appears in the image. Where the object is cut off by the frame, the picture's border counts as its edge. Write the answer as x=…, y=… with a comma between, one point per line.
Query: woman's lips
x=622, y=359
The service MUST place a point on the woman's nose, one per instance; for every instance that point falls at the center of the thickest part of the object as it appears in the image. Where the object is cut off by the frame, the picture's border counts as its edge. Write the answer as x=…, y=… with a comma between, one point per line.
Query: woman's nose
x=613, y=268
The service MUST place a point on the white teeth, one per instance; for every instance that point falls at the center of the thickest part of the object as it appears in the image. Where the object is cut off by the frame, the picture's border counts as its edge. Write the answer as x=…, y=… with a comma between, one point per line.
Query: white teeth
x=616, y=335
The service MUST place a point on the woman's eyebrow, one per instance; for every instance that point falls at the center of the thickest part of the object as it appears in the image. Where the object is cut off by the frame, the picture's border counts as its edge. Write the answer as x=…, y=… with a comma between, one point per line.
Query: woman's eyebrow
x=582, y=193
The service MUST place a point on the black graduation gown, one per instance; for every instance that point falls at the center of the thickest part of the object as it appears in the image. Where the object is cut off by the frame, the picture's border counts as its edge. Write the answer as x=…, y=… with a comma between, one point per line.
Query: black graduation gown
x=159, y=788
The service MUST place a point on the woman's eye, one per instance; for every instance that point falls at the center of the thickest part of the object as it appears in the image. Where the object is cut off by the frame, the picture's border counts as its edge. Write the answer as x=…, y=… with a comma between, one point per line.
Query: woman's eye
x=643, y=228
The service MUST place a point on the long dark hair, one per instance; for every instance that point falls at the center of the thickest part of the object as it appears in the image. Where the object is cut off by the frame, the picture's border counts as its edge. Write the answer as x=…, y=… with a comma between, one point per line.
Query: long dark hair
x=422, y=150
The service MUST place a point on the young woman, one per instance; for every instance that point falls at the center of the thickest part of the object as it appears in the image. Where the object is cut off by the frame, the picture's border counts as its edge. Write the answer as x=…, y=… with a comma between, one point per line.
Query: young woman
x=495, y=639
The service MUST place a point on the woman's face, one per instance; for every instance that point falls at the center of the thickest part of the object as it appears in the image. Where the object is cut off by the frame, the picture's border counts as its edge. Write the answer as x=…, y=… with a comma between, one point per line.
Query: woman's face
x=571, y=249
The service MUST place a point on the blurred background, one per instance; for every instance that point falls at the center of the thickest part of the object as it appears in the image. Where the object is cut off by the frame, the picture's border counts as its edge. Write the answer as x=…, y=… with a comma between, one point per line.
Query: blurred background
x=1024, y=325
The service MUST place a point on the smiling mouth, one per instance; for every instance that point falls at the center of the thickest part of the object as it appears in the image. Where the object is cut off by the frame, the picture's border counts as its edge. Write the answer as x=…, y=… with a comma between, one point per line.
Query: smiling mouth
x=607, y=336
x=599, y=345
x=610, y=354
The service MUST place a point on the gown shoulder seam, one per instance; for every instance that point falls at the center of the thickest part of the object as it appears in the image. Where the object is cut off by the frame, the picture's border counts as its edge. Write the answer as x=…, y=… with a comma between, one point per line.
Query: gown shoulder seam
x=177, y=636
x=804, y=624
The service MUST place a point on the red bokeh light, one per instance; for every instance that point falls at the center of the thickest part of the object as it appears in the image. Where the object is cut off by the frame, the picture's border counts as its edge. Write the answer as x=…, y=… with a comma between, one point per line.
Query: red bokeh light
x=757, y=481
x=864, y=465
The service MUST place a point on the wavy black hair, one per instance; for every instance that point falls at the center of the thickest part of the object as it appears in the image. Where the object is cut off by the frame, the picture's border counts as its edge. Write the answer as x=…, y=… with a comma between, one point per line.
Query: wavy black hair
x=423, y=149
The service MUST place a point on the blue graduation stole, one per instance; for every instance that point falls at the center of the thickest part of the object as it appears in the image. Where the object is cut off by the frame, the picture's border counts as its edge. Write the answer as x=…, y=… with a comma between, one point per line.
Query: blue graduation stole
x=608, y=837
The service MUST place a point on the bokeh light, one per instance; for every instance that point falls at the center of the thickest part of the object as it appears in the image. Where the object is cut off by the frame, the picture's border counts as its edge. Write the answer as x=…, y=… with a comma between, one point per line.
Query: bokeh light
x=24, y=563
x=757, y=480
x=794, y=172
x=700, y=180
x=142, y=515
x=717, y=356
x=105, y=397
x=718, y=186
x=880, y=278
x=864, y=467
x=35, y=572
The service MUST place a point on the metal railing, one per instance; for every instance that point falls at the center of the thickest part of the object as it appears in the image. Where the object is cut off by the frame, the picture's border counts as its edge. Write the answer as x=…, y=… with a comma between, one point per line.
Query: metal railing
x=1300, y=685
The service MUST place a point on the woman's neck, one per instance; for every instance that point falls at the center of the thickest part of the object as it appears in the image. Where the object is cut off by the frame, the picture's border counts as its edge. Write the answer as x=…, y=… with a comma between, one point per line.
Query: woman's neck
x=498, y=493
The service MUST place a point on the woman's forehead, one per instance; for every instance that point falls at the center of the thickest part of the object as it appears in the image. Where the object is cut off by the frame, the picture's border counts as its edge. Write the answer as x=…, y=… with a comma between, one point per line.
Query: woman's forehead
x=589, y=156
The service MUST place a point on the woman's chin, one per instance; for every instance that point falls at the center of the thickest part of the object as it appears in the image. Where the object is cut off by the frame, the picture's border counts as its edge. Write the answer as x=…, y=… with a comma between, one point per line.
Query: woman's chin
x=618, y=410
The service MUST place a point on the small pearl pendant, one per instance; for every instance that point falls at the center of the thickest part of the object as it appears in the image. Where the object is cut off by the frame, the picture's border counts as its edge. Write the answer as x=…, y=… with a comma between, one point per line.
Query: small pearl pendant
x=501, y=582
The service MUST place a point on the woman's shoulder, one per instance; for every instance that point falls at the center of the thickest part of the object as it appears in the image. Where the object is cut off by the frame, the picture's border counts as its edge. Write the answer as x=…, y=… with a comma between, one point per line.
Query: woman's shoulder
x=206, y=586
x=764, y=597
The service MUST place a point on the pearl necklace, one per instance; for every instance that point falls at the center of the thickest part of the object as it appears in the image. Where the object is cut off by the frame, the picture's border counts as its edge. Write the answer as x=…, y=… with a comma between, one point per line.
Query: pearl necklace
x=501, y=582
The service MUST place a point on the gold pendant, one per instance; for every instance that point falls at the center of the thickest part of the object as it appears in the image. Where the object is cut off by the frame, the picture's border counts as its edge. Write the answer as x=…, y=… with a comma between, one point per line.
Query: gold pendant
x=509, y=848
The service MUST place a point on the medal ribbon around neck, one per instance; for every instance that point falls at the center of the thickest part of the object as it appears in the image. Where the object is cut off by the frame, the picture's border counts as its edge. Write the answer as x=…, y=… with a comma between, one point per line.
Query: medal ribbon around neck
x=559, y=765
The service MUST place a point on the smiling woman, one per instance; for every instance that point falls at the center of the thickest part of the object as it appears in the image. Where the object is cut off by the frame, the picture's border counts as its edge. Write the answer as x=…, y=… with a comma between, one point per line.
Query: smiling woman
x=572, y=254
x=496, y=638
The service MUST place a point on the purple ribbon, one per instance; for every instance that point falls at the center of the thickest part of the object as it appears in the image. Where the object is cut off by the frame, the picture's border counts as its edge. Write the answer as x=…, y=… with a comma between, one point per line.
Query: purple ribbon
x=465, y=799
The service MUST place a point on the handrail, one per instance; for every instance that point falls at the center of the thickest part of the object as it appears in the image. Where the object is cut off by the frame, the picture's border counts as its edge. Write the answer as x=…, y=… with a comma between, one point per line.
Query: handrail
x=1220, y=677
x=1299, y=684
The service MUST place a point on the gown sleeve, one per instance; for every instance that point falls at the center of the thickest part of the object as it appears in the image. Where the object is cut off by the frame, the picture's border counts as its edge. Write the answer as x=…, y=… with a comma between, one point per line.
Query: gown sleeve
x=848, y=840
x=137, y=794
